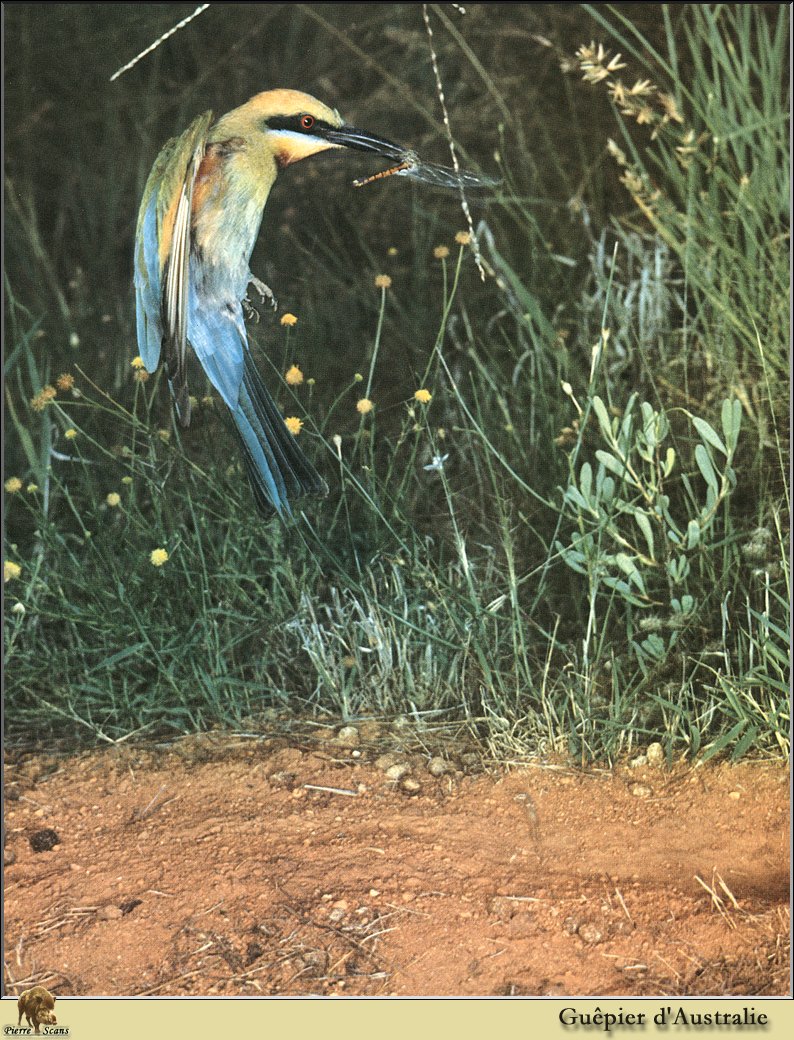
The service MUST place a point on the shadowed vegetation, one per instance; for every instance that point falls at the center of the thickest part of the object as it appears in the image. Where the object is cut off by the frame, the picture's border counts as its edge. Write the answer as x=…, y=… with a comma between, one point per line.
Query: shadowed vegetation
x=577, y=539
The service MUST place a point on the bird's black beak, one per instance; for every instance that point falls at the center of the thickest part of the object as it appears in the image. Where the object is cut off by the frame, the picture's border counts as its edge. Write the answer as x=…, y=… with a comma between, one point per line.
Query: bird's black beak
x=364, y=141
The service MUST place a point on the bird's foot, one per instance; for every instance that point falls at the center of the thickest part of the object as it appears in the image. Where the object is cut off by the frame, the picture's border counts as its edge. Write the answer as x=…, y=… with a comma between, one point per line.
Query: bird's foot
x=264, y=291
x=251, y=313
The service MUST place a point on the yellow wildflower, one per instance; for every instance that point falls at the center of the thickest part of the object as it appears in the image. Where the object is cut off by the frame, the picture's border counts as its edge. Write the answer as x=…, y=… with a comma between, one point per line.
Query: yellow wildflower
x=126, y=480
x=208, y=401
x=294, y=376
x=70, y=434
x=140, y=375
x=289, y=320
x=392, y=250
x=65, y=381
x=348, y=661
x=32, y=488
x=164, y=435
x=358, y=378
x=12, y=485
x=137, y=363
x=382, y=281
x=113, y=499
x=423, y=396
x=364, y=406
x=11, y=570
x=293, y=424
x=158, y=557
x=463, y=238
x=43, y=398
x=441, y=252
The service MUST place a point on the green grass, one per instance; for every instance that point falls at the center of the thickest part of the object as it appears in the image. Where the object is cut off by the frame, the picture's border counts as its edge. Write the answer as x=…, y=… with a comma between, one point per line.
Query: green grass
x=579, y=544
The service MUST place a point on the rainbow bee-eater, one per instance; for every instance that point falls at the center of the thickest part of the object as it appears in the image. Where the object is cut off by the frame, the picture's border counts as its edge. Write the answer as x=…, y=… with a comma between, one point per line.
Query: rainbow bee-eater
x=199, y=218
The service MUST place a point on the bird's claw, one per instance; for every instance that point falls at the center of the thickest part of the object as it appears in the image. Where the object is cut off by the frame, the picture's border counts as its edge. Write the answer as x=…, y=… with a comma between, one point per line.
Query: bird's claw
x=251, y=313
x=265, y=292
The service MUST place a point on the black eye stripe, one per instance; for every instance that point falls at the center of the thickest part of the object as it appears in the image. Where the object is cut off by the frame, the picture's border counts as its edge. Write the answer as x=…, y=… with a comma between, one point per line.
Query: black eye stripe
x=295, y=124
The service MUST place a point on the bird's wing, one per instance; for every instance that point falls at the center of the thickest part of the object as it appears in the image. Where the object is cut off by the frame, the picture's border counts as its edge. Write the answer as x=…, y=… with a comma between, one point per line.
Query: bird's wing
x=162, y=253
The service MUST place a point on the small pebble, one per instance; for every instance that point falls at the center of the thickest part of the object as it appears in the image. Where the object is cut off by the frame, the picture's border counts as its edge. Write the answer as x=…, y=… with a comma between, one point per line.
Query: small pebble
x=348, y=737
x=410, y=785
x=641, y=791
x=388, y=760
x=438, y=766
x=590, y=934
x=502, y=908
x=655, y=755
x=109, y=913
x=397, y=771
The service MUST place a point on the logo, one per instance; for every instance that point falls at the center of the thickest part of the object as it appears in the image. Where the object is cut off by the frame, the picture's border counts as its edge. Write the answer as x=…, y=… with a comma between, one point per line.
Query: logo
x=37, y=1006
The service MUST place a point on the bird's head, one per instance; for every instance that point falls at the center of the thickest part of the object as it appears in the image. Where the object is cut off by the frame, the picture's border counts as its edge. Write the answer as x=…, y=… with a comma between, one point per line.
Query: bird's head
x=296, y=125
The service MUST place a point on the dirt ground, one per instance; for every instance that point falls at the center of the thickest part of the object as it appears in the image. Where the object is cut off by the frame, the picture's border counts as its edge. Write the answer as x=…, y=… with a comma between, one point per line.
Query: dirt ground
x=325, y=863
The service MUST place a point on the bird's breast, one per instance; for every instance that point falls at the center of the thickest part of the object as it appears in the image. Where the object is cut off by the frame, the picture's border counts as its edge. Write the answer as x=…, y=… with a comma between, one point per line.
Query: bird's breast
x=229, y=195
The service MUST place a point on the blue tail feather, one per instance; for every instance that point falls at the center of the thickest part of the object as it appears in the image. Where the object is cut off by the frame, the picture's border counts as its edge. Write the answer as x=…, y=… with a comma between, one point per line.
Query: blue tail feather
x=277, y=468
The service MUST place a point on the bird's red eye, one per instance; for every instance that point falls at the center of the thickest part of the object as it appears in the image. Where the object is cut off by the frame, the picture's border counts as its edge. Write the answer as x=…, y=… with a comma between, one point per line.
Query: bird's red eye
x=307, y=122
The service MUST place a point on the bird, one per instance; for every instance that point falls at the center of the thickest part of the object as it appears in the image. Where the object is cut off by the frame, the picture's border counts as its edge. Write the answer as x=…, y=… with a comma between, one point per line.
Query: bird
x=198, y=222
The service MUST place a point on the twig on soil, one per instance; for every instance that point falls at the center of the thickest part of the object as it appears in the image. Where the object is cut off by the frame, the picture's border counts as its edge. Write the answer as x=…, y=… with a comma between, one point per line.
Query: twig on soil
x=622, y=903
x=331, y=790
x=668, y=965
x=162, y=985
x=403, y=910
x=209, y=910
x=151, y=808
x=51, y=924
x=717, y=902
x=522, y=899
x=727, y=892
x=50, y=979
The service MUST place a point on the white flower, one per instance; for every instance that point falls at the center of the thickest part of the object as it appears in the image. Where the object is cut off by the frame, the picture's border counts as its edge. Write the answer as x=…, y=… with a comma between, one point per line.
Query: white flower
x=437, y=464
